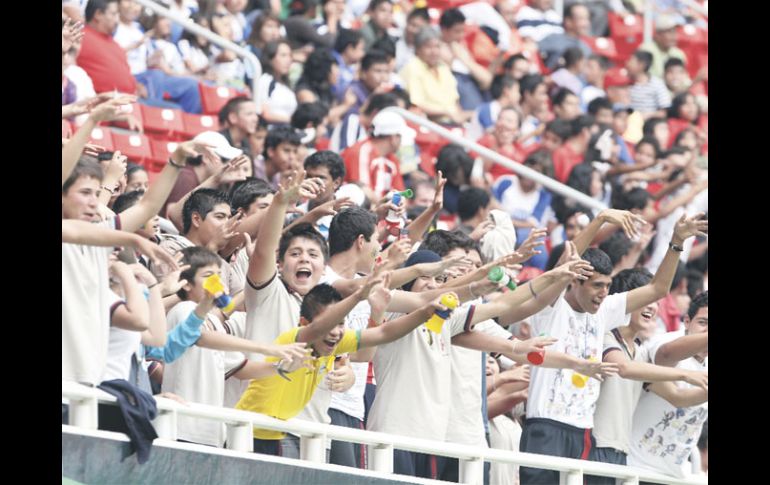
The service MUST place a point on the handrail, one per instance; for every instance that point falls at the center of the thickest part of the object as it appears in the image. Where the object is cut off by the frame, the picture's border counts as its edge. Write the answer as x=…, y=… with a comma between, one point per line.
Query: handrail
x=83, y=402
x=520, y=169
x=212, y=37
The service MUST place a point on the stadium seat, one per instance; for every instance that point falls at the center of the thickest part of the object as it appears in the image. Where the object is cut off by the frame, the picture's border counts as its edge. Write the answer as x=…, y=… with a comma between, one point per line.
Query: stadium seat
x=603, y=46
x=194, y=124
x=102, y=136
x=214, y=98
x=162, y=121
x=135, y=146
x=627, y=34
x=160, y=150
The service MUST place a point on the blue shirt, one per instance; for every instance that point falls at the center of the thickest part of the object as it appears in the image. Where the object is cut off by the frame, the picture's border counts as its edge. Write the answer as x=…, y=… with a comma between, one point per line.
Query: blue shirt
x=178, y=340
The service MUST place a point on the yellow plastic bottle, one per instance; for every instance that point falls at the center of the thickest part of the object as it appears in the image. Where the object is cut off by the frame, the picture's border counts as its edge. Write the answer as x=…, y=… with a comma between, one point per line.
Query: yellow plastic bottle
x=213, y=284
x=578, y=379
x=436, y=321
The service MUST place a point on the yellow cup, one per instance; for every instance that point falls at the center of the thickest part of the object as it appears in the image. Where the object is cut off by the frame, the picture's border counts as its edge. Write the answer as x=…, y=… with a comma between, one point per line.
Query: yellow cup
x=578, y=379
x=436, y=321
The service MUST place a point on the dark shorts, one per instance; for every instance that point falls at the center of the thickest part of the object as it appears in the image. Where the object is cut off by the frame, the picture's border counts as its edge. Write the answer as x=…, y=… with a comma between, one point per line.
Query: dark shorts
x=605, y=455
x=415, y=464
x=344, y=452
x=287, y=447
x=549, y=437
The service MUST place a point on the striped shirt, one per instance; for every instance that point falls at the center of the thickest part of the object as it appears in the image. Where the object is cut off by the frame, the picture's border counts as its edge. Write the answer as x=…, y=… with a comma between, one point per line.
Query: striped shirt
x=536, y=24
x=650, y=96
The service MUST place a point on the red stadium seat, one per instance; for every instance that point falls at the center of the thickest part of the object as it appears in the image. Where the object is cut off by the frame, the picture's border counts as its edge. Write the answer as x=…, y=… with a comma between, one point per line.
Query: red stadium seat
x=162, y=121
x=695, y=44
x=102, y=136
x=161, y=151
x=215, y=97
x=194, y=124
x=626, y=33
x=603, y=46
x=135, y=146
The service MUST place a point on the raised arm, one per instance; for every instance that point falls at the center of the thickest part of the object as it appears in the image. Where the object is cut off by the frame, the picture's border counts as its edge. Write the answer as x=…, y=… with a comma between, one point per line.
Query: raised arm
x=395, y=329
x=135, y=314
x=679, y=397
x=137, y=215
x=661, y=282
x=623, y=219
x=642, y=371
x=262, y=264
x=422, y=222
x=230, y=343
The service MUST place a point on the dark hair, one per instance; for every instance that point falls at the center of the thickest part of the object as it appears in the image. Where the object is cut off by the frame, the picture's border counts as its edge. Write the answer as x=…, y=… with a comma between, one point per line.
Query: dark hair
x=470, y=201
x=679, y=275
x=592, y=153
x=376, y=3
x=572, y=56
x=419, y=12
x=347, y=225
x=561, y=96
x=256, y=28
x=604, y=63
x=386, y=46
x=442, y=242
x=694, y=281
x=86, y=167
x=373, y=57
x=126, y=200
x=599, y=103
x=701, y=300
x=300, y=7
x=268, y=54
x=580, y=123
x=580, y=177
x=132, y=168
x=94, y=6
x=529, y=83
x=315, y=74
x=246, y=192
x=645, y=58
x=500, y=83
x=399, y=93
x=541, y=159
x=508, y=64
x=599, y=260
x=232, y=106
x=309, y=114
x=560, y=128
x=629, y=279
x=625, y=200
x=703, y=440
x=570, y=9
x=378, y=102
x=648, y=129
x=680, y=136
x=453, y=157
x=192, y=38
x=616, y=246
x=201, y=201
x=317, y=299
x=673, y=62
x=304, y=230
x=105, y=156
x=328, y=159
x=197, y=257
x=281, y=134
x=450, y=18
x=554, y=256
x=676, y=105
x=347, y=38
x=649, y=140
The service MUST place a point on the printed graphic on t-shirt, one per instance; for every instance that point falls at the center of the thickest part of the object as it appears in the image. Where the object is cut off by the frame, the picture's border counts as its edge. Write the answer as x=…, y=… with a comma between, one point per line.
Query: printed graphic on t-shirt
x=564, y=398
x=673, y=436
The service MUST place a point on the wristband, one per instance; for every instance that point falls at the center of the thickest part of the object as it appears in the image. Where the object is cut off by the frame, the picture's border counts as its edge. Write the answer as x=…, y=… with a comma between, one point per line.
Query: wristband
x=174, y=164
x=674, y=247
x=279, y=371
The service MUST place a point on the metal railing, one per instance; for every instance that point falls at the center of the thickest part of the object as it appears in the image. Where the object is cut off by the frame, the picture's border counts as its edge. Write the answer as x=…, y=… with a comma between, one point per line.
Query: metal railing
x=83, y=413
x=553, y=185
x=196, y=29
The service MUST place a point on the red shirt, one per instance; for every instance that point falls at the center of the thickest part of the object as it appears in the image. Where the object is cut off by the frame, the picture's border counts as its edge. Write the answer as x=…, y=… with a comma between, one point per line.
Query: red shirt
x=564, y=160
x=512, y=151
x=363, y=164
x=105, y=63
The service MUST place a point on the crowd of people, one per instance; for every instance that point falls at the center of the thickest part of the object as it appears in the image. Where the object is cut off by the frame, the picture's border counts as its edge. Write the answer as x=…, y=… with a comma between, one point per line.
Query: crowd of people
x=319, y=257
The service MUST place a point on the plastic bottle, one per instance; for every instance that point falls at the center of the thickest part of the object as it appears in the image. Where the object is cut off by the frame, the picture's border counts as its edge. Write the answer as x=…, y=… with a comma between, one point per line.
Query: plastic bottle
x=393, y=221
x=498, y=275
x=436, y=321
x=579, y=380
x=537, y=358
x=213, y=284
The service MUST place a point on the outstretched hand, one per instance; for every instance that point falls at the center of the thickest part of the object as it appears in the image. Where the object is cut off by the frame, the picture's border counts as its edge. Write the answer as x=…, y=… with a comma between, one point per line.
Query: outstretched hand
x=535, y=344
x=626, y=220
x=687, y=227
x=597, y=370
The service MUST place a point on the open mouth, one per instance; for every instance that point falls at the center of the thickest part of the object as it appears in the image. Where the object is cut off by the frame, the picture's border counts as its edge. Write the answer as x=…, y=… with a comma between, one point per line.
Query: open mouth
x=330, y=343
x=303, y=275
x=647, y=315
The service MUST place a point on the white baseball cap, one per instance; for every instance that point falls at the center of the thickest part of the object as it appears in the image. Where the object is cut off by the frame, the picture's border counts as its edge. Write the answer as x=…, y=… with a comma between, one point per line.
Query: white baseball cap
x=390, y=123
x=220, y=144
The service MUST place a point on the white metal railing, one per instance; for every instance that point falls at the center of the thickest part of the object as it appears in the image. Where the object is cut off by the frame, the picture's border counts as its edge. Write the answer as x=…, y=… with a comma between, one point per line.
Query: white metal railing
x=196, y=29
x=83, y=412
x=520, y=169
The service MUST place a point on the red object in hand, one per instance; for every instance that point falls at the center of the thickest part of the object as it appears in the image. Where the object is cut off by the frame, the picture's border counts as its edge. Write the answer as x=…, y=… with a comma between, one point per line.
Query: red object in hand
x=536, y=358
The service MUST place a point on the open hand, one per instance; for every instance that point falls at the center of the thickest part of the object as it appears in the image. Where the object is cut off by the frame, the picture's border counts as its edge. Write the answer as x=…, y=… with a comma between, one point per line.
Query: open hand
x=687, y=227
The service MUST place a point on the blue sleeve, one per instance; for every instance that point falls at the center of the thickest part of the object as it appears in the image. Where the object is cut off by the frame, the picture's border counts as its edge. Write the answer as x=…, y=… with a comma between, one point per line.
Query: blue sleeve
x=178, y=340
x=625, y=155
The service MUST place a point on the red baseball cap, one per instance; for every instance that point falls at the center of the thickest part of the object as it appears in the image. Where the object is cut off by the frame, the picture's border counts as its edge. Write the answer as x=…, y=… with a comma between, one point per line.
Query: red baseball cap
x=616, y=76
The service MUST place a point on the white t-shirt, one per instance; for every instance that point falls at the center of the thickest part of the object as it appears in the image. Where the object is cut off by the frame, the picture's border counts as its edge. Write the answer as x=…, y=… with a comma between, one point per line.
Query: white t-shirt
x=504, y=434
x=122, y=345
x=84, y=87
x=281, y=100
x=663, y=436
x=618, y=399
x=85, y=309
x=125, y=35
x=199, y=376
x=551, y=392
x=351, y=402
x=414, y=380
x=516, y=202
x=192, y=54
x=171, y=55
x=466, y=421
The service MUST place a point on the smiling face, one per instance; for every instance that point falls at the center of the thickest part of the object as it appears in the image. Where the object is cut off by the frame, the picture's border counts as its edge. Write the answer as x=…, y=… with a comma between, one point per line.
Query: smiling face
x=325, y=345
x=302, y=265
x=643, y=321
x=590, y=294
